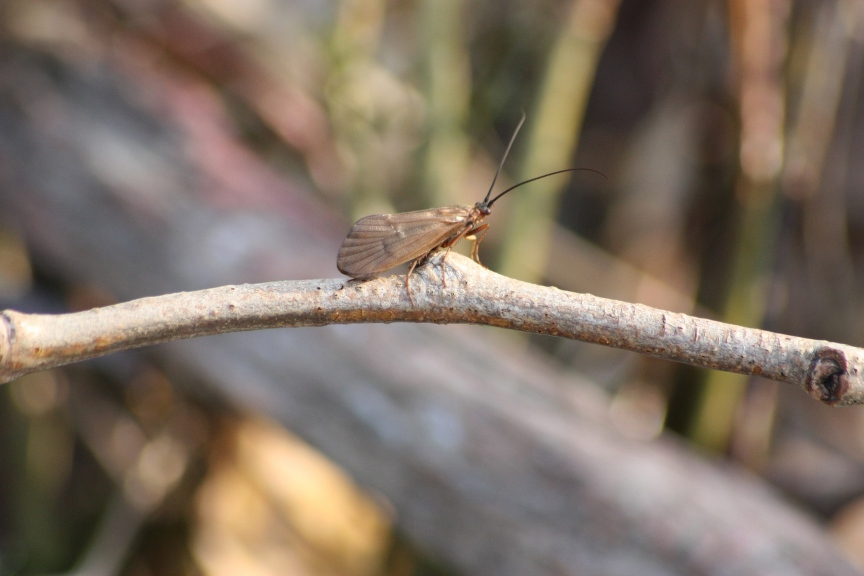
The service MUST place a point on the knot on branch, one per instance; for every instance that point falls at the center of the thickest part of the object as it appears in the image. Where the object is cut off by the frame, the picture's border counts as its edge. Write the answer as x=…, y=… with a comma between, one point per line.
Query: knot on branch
x=827, y=378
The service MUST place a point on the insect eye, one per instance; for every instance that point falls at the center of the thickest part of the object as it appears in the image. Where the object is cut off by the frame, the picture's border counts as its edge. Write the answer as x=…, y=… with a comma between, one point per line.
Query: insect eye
x=485, y=210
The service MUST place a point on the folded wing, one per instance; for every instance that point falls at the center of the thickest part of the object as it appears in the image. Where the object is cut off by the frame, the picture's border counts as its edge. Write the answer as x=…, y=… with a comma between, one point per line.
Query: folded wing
x=382, y=241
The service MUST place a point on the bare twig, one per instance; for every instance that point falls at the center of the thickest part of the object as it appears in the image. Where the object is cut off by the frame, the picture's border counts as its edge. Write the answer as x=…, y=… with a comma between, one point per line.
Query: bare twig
x=829, y=372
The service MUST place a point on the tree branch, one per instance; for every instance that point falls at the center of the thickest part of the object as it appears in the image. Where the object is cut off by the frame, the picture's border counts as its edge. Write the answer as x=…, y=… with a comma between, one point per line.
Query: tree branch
x=829, y=372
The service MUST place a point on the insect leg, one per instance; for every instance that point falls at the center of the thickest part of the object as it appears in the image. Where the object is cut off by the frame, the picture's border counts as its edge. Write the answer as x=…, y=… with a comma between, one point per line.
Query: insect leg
x=479, y=233
x=443, y=271
x=411, y=269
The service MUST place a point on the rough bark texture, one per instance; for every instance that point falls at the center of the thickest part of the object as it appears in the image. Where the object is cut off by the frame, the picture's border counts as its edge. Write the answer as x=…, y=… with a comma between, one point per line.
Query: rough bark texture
x=829, y=372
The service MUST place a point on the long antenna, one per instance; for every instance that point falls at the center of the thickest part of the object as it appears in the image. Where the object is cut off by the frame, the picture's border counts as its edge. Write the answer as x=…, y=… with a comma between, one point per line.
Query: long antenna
x=490, y=202
x=501, y=165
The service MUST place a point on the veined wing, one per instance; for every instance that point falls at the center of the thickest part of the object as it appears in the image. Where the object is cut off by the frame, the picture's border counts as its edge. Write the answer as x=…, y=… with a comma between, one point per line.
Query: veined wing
x=382, y=241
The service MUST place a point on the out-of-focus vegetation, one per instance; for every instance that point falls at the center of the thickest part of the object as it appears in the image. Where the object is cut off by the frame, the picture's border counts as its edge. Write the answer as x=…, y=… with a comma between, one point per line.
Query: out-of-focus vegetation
x=728, y=132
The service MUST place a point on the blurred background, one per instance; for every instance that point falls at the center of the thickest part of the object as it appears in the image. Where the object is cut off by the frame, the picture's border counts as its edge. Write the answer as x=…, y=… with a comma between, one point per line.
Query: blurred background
x=154, y=146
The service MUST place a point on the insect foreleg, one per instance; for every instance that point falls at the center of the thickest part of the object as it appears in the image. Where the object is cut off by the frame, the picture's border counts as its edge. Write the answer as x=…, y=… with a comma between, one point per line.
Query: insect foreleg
x=478, y=233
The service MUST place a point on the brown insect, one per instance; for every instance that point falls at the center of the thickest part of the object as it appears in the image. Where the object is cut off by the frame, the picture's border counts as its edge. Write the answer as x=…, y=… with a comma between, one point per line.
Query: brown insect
x=380, y=242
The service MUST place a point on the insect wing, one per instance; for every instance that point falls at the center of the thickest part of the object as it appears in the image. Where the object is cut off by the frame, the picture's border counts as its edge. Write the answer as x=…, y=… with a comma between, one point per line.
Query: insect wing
x=382, y=241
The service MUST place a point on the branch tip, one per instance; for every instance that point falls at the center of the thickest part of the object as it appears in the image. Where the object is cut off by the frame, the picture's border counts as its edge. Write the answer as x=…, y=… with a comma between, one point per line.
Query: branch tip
x=827, y=378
